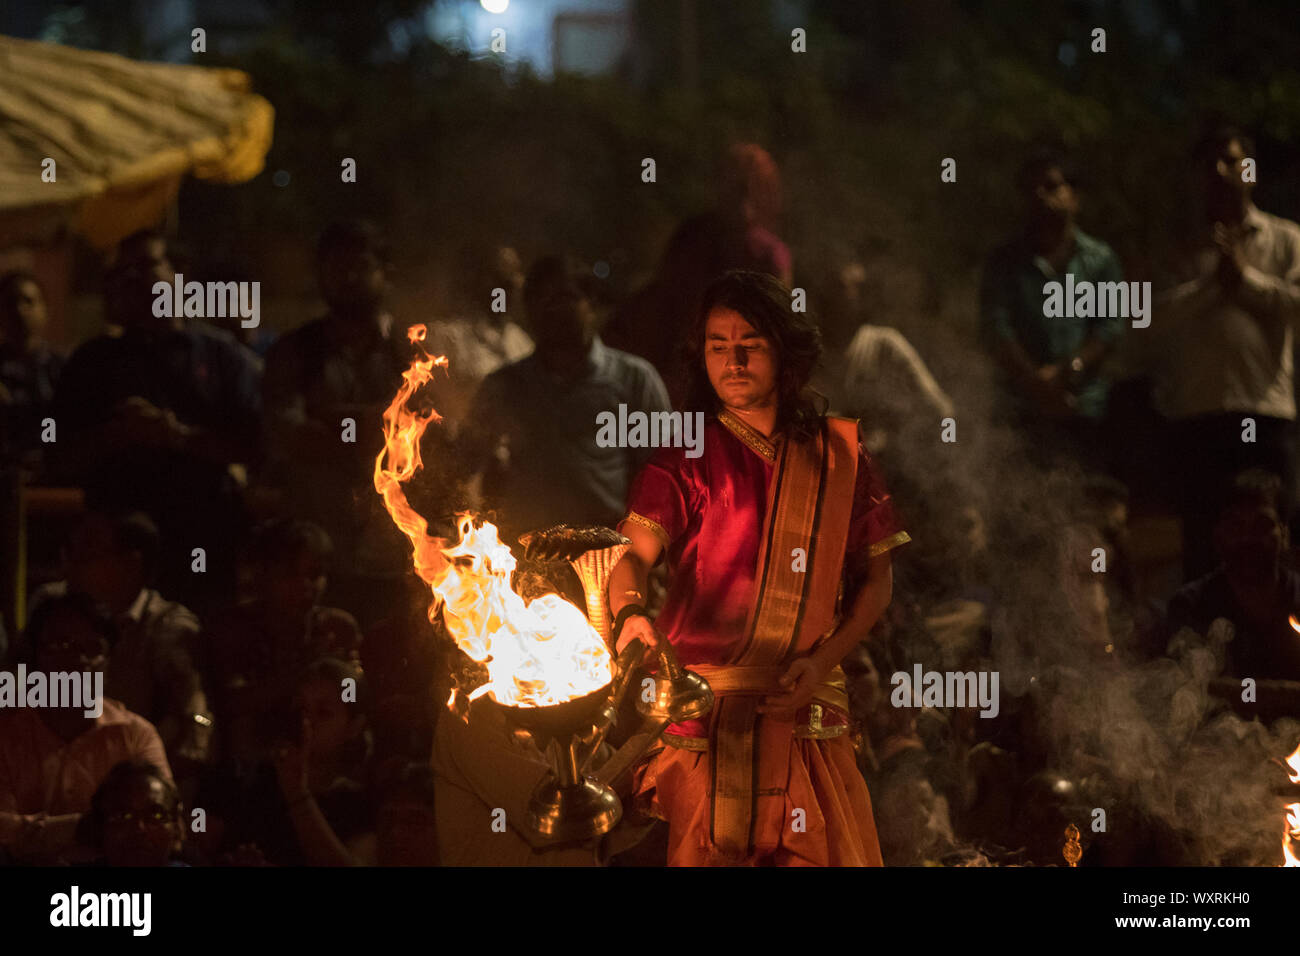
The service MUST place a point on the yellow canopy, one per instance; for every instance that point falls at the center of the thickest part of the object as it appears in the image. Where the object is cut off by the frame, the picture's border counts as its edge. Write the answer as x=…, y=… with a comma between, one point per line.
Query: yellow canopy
x=121, y=134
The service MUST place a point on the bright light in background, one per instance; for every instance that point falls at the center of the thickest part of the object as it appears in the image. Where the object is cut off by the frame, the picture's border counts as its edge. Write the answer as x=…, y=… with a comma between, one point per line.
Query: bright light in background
x=581, y=36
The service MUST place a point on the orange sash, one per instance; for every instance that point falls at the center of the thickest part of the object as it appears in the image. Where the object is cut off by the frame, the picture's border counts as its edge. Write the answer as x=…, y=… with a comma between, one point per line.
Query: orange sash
x=809, y=505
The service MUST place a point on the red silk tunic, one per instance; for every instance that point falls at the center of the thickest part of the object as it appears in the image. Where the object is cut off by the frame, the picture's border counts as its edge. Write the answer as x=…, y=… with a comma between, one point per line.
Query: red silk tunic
x=709, y=514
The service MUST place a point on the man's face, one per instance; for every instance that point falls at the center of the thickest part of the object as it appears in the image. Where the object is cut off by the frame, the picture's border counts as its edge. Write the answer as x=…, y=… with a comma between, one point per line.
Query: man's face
x=1251, y=540
x=295, y=585
x=70, y=643
x=26, y=313
x=128, y=293
x=563, y=321
x=741, y=364
x=352, y=281
x=1051, y=197
x=333, y=724
x=1222, y=169
x=140, y=826
x=98, y=567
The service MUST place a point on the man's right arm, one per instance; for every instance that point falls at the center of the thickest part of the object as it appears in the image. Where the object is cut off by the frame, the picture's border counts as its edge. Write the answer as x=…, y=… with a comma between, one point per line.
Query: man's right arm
x=995, y=325
x=658, y=512
x=1043, y=385
x=629, y=582
x=31, y=836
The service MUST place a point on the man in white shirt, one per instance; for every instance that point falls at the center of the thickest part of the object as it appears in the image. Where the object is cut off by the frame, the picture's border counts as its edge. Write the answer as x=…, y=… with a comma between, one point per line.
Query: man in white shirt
x=1221, y=348
x=888, y=386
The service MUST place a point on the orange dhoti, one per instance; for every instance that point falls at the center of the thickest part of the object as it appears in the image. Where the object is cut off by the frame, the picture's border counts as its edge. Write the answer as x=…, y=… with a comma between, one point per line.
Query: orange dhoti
x=817, y=812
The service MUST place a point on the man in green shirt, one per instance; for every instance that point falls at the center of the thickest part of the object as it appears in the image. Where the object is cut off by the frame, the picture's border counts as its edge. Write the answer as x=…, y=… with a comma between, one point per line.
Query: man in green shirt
x=1053, y=364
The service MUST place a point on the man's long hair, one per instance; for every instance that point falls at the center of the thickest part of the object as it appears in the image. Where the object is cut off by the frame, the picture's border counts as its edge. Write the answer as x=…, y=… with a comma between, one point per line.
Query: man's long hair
x=764, y=302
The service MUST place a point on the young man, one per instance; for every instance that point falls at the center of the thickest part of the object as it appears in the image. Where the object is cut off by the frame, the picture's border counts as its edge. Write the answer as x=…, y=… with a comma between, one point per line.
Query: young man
x=1054, y=366
x=781, y=515
x=154, y=418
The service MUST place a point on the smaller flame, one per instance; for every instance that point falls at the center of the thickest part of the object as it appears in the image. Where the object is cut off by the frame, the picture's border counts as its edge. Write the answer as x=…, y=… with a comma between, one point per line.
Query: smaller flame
x=1291, y=834
x=1295, y=624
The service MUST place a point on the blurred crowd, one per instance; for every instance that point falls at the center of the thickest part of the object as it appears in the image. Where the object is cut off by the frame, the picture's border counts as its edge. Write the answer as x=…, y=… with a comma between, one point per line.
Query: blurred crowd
x=275, y=686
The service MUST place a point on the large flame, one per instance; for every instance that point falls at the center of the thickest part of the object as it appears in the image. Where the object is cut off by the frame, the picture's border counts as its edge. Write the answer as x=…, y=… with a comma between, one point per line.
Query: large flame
x=537, y=653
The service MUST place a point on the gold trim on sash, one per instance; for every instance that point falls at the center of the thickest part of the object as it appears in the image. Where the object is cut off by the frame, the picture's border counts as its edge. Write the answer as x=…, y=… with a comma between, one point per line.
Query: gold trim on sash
x=808, y=731
x=893, y=541
x=748, y=435
x=726, y=681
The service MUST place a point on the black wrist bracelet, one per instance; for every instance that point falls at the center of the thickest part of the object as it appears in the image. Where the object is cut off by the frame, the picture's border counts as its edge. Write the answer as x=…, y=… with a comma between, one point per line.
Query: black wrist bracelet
x=629, y=610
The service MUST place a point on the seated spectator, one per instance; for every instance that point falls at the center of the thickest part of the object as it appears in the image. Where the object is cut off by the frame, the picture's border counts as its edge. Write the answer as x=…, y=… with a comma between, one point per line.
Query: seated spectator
x=309, y=804
x=258, y=649
x=1251, y=589
x=114, y=561
x=160, y=416
x=52, y=759
x=135, y=818
x=29, y=371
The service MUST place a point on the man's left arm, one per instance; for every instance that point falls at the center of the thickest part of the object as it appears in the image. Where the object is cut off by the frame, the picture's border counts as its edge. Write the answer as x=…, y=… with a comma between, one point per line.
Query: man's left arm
x=871, y=600
x=806, y=674
x=1262, y=293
